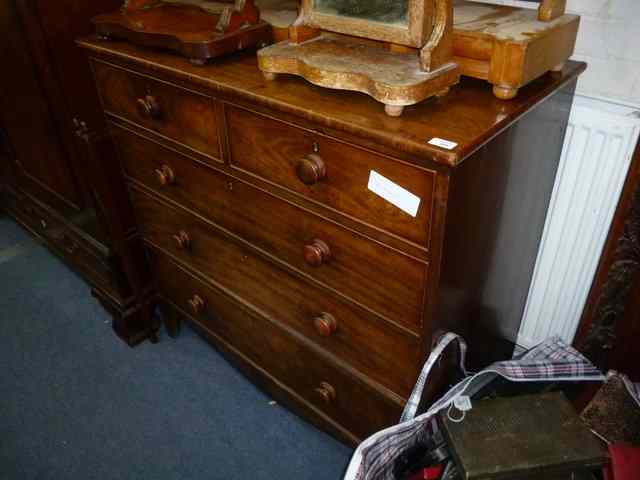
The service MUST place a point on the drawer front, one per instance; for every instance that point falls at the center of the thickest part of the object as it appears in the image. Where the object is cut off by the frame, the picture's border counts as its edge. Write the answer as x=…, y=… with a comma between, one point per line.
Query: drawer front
x=62, y=240
x=181, y=115
x=329, y=172
x=379, y=350
x=378, y=277
x=355, y=405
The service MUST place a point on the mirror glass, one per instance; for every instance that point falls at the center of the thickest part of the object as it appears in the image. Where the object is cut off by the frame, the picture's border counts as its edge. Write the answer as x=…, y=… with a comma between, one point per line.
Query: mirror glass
x=392, y=12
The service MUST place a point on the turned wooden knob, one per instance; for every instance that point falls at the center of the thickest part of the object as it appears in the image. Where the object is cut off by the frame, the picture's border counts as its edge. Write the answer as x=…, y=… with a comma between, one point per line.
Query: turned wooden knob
x=311, y=169
x=326, y=392
x=149, y=107
x=182, y=240
x=325, y=324
x=317, y=253
x=165, y=175
x=196, y=304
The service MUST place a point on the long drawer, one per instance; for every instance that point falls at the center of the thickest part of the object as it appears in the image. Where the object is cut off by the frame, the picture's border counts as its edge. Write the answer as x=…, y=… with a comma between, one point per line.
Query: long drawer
x=330, y=172
x=181, y=115
x=62, y=239
x=385, y=353
x=327, y=387
x=380, y=278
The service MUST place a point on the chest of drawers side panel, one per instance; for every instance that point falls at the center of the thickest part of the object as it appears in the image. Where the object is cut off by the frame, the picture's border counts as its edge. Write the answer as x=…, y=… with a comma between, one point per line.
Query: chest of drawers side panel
x=495, y=219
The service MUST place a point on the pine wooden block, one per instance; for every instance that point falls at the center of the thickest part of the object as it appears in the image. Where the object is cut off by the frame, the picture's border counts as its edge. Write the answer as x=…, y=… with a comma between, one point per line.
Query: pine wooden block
x=509, y=47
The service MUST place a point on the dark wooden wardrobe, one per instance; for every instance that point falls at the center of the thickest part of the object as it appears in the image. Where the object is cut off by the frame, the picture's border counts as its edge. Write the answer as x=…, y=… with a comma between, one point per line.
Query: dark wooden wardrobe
x=51, y=121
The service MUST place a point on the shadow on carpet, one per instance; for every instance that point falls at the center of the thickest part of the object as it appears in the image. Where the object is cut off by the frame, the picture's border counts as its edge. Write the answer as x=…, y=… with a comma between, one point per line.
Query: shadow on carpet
x=77, y=403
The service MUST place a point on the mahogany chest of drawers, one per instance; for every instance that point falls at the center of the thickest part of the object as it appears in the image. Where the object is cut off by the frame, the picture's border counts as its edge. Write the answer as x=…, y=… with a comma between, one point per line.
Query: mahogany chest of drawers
x=280, y=219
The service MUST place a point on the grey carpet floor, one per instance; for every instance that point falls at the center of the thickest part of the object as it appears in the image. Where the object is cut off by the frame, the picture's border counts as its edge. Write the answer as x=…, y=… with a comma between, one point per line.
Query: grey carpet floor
x=77, y=403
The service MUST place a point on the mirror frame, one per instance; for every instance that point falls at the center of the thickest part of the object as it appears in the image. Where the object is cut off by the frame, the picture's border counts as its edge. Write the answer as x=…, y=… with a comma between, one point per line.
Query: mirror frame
x=414, y=34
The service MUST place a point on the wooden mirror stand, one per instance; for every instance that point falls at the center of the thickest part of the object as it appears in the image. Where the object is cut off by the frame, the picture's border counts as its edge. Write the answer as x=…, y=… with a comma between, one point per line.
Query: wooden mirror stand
x=197, y=29
x=396, y=65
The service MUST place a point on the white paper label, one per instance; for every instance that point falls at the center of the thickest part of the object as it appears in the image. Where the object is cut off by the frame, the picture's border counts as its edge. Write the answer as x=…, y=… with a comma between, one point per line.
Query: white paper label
x=394, y=193
x=439, y=142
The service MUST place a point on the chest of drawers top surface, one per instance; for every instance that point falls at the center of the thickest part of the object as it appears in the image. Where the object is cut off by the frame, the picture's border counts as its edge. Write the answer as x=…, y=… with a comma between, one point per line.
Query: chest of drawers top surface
x=468, y=116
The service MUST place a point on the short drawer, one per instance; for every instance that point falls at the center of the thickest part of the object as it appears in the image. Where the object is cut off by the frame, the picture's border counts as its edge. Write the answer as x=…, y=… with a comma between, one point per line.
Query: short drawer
x=183, y=116
x=385, y=353
x=330, y=389
x=330, y=172
x=378, y=277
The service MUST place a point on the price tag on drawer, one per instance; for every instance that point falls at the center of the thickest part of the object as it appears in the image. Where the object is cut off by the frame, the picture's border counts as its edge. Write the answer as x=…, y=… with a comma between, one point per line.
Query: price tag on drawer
x=394, y=193
x=442, y=143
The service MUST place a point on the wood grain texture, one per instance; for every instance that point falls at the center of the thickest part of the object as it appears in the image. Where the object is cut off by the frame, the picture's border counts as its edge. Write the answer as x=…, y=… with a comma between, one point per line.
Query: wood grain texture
x=77, y=248
x=381, y=279
x=419, y=23
x=180, y=115
x=550, y=9
x=266, y=343
x=190, y=30
x=381, y=351
x=48, y=95
x=387, y=70
x=41, y=158
x=273, y=150
x=281, y=236
x=467, y=116
x=515, y=44
x=510, y=47
x=338, y=62
x=51, y=28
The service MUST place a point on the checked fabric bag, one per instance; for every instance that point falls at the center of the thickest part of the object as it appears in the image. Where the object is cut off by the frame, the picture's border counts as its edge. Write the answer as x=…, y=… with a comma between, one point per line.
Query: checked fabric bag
x=551, y=361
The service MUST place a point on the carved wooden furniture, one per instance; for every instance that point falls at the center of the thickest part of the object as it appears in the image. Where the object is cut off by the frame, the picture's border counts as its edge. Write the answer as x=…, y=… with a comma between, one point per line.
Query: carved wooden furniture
x=510, y=47
x=609, y=332
x=198, y=29
x=333, y=44
x=47, y=95
x=320, y=243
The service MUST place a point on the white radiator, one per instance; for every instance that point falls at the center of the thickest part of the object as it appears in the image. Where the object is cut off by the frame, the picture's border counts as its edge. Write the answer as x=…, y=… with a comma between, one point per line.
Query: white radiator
x=598, y=147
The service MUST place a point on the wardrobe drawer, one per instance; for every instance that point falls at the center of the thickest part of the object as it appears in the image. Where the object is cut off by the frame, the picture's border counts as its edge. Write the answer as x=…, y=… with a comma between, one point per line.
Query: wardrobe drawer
x=334, y=391
x=382, y=351
x=181, y=115
x=63, y=240
x=374, y=275
x=330, y=172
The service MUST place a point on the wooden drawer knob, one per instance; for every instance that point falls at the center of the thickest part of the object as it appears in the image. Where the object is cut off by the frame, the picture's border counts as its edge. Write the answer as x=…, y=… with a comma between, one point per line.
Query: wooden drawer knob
x=183, y=240
x=196, y=304
x=165, y=175
x=317, y=253
x=311, y=169
x=325, y=324
x=149, y=107
x=326, y=392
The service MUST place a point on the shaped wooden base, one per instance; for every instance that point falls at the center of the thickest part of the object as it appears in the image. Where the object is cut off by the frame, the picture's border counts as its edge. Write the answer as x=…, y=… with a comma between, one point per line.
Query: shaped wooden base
x=338, y=62
x=508, y=47
x=188, y=30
